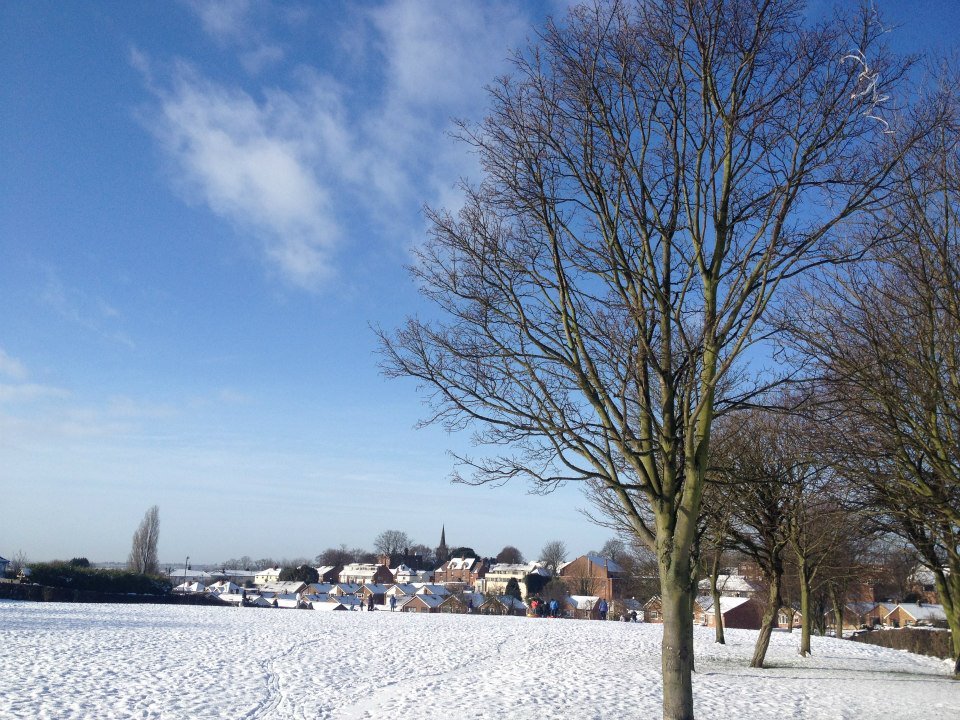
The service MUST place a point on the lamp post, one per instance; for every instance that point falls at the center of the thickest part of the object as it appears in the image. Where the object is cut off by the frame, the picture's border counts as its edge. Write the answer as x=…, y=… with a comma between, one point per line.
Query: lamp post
x=186, y=565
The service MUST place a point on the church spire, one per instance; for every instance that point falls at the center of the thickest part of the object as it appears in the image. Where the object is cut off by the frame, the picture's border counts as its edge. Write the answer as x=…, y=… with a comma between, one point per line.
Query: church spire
x=442, y=552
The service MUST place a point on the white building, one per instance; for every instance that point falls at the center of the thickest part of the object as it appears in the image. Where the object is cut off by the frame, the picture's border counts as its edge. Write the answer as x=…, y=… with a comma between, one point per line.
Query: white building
x=499, y=576
x=266, y=577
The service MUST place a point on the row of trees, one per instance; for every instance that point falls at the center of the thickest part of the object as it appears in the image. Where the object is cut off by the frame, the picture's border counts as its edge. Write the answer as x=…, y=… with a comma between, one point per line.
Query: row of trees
x=659, y=178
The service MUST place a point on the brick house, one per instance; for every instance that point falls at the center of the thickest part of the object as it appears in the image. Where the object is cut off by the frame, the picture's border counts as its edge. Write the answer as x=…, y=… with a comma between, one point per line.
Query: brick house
x=908, y=614
x=593, y=575
x=737, y=612
x=462, y=570
x=420, y=603
x=502, y=605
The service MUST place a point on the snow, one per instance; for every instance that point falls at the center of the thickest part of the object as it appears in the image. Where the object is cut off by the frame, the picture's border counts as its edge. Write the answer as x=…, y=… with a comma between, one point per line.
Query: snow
x=68, y=661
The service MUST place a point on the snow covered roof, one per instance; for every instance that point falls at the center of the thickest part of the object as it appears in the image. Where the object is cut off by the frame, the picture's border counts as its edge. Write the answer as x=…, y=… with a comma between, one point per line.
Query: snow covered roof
x=926, y=612
x=726, y=603
x=583, y=602
x=461, y=563
x=429, y=589
x=730, y=584
x=184, y=573
x=402, y=589
x=431, y=601
x=609, y=564
x=511, y=602
x=282, y=588
x=474, y=599
x=515, y=569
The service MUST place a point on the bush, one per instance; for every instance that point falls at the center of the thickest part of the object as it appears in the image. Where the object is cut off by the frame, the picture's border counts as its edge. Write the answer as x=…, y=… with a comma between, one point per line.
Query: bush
x=303, y=573
x=74, y=577
x=935, y=643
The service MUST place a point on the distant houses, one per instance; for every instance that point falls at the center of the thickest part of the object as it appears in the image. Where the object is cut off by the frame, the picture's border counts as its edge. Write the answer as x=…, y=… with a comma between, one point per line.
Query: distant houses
x=480, y=586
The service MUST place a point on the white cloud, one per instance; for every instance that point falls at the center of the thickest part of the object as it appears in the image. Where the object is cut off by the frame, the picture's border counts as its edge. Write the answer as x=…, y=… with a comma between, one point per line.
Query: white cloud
x=11, y=367
x=438, y=57
x=238, y=23
x=222, y=19
x=26, y=392
x=256, y=164
x=293, y=166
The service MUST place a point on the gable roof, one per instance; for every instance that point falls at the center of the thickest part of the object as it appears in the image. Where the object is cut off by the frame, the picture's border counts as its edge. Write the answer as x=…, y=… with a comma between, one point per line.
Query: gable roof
x=583, y=602
x=917, y=611
x=430, y=589
x=726, y=603
x=283, y=588
x=599, y=560
x=430, y=601
x=401, y=589
x=730, y=583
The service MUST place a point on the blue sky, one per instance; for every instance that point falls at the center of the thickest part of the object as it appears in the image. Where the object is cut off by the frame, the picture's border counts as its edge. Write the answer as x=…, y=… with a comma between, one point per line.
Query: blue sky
x=204, y=205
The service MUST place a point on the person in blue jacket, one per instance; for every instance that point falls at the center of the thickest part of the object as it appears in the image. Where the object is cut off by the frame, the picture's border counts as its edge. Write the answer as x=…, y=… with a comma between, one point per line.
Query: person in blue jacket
x=602, y=608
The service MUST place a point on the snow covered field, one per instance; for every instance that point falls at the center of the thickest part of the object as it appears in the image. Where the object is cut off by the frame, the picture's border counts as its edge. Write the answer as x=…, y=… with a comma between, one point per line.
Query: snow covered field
x=62, y=661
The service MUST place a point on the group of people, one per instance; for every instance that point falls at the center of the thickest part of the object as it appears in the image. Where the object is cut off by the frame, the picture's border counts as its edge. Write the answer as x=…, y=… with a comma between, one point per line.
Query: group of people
x=545, y=609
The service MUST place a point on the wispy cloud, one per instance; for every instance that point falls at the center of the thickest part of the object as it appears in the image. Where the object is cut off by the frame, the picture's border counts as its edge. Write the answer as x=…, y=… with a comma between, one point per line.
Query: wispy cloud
x=26, y=392
x=256, y=164
x=223, y=19
x=11, y=367
x=91, y=312
x=237, y=24
x=289, y=166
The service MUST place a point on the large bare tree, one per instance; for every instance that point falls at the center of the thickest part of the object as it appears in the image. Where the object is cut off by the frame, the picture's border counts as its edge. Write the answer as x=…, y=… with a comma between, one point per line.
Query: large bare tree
x=143, y=549
x=653, y=171
x=554, y=554
x=391, y=542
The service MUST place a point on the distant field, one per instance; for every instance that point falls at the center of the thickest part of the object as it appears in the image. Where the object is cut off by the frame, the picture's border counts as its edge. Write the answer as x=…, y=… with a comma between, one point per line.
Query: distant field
x=67, y=661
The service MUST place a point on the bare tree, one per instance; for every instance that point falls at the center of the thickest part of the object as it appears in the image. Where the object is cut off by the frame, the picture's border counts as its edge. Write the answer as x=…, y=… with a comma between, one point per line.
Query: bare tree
x=754, y=467
x=714, y=542
x=885, y=338
x=391, y=542
x=18, y=563
x=653, y=172
x=553, y=555
x=143, y=550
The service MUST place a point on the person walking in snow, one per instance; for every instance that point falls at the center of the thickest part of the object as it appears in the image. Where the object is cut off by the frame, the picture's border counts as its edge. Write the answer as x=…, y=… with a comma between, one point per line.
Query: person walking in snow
x=393, y=603
x=554, y=608
x=602, y=608
x=370, y=602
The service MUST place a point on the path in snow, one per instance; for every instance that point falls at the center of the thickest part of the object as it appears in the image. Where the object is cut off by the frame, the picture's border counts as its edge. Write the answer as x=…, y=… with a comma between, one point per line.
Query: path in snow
x=62, y=662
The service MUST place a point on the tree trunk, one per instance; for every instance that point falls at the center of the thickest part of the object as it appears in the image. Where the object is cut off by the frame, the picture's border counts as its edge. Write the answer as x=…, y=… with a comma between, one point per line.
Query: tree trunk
x=806, y=620
x=837, y=600
x=677, y=649
x=948, y=592
x=769, y=620
x=715, y=594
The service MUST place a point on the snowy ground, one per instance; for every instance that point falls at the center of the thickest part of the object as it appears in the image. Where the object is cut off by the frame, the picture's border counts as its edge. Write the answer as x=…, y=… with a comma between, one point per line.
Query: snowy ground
x=153, y=661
